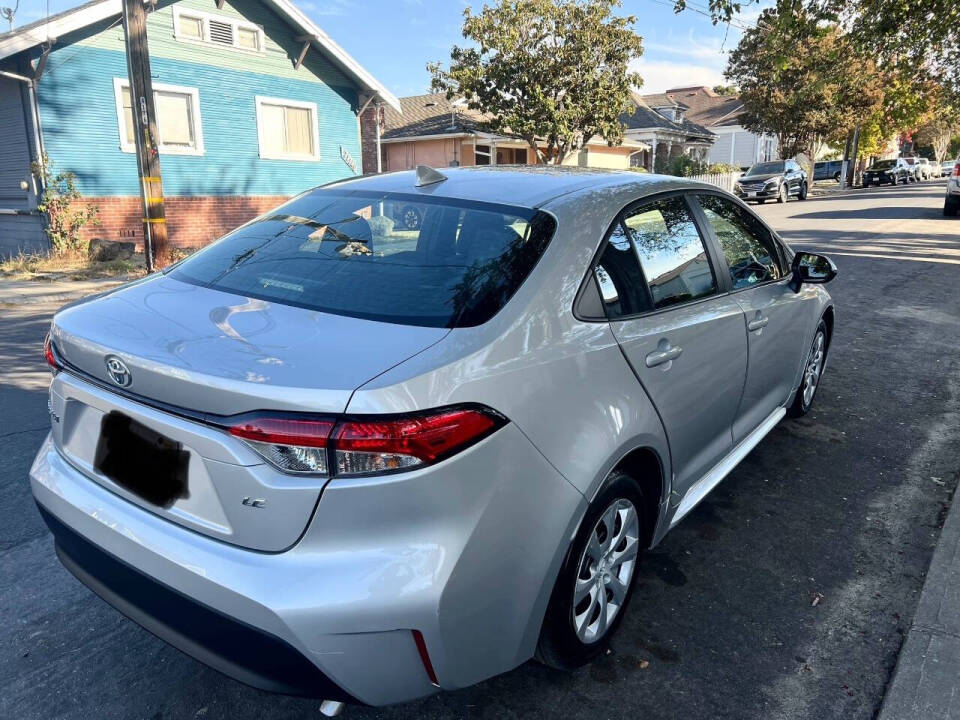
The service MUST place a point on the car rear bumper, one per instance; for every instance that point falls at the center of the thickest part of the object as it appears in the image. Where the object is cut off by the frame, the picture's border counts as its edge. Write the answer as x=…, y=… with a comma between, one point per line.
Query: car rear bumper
x=465, y=552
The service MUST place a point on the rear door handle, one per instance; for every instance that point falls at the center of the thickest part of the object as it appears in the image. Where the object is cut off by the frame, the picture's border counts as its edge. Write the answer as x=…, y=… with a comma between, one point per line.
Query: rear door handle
x=663, y=354
x=758, y=323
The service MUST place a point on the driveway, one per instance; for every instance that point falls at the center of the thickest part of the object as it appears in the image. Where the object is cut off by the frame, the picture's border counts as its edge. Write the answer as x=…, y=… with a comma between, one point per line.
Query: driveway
x=784, y=595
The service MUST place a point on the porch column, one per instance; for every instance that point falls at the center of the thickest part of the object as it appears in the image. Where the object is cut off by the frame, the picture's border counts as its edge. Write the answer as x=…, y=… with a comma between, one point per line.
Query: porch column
x=653, y=156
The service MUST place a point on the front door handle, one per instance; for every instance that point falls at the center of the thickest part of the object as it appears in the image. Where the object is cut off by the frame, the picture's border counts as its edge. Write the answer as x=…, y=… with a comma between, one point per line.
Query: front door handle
x=759, y=322
x=663, y=354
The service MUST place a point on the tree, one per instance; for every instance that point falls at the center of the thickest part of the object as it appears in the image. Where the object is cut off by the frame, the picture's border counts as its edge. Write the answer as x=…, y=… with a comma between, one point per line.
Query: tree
x=801, y=79
x=555, y=71
x=726, y=89
x=923, y=35
x=937, y=132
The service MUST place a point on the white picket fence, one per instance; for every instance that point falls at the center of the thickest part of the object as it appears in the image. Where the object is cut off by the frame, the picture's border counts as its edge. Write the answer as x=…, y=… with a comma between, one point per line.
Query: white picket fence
x=721, y=180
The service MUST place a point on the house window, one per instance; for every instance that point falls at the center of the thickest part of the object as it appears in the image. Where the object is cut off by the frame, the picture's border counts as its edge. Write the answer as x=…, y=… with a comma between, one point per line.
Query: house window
x=481, y=154
x=511, y=156
x=178, y=118
x=195, y=26
x=287, y=129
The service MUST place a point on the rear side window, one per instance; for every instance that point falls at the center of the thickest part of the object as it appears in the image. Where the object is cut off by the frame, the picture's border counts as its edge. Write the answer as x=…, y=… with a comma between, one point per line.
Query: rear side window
x=671, y=252
x=398, y=258
x=620, y=278
x=748, y=247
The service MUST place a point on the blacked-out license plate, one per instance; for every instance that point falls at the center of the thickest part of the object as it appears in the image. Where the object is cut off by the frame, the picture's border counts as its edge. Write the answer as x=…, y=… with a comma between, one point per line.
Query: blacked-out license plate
x=141, y=460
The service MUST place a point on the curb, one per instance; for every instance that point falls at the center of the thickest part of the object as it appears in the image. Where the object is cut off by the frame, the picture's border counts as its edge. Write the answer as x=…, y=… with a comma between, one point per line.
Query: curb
x=926, y=681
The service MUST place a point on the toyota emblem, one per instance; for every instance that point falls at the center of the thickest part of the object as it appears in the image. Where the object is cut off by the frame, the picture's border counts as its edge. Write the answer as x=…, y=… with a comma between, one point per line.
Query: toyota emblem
x=117, y=370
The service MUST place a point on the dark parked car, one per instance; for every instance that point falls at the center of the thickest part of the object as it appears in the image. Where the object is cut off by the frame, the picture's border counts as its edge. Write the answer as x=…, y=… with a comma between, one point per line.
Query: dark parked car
x=776, y=180
x=828, y=170
x=890, y=171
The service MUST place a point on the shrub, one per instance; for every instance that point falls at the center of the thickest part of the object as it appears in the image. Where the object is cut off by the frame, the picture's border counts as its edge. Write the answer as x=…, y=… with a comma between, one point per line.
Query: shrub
x=381, y=225
x=684, y=166
x=723, y=168
x=637, y=169
x=66, y=212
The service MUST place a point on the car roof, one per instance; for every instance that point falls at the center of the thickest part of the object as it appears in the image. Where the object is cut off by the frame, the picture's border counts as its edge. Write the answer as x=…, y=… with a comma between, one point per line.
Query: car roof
x=519, y=185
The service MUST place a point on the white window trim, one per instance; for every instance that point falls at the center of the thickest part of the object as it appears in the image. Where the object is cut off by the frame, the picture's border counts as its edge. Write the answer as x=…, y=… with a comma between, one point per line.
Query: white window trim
x=206, y=17
x=127, y=144
x=315, y=124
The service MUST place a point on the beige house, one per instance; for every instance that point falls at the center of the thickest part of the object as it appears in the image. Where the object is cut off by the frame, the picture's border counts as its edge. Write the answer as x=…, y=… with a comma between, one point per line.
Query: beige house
x=438, y=132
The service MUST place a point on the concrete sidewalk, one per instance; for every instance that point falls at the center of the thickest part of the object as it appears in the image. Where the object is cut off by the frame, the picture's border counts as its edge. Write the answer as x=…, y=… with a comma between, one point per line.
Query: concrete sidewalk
x=926, y=682
x=27, y=292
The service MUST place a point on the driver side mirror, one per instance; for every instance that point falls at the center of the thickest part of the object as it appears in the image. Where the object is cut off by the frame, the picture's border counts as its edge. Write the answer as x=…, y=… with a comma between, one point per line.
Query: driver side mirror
x=812, y=268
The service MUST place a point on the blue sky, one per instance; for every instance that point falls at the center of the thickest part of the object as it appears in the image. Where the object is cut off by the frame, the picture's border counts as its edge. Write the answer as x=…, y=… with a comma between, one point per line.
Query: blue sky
x=394, y=39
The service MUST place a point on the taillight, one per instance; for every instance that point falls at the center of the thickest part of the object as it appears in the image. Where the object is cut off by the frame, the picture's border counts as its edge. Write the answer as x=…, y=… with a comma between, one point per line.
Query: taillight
x=372, y=446
x=956, y=171
x=297, y=446
x=366, y=445
x=48, y=354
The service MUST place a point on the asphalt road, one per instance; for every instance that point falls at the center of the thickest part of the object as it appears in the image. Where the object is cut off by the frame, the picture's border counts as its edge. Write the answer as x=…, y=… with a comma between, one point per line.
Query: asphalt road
x=784, y=595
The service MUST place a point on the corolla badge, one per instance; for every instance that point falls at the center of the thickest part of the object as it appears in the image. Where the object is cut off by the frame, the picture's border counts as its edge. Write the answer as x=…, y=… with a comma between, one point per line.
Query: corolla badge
x=117, y=370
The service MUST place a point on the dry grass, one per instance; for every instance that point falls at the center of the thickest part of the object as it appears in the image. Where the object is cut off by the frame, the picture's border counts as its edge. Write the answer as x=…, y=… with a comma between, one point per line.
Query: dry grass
x=49, y=266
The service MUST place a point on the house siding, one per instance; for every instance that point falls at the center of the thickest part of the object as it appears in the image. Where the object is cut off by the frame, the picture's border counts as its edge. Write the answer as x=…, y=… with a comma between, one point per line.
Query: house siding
x=738, y=146
x=79, y=118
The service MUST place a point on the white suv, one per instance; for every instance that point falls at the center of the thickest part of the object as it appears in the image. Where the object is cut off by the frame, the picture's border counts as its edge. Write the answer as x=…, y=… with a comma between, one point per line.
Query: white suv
x=951, y=201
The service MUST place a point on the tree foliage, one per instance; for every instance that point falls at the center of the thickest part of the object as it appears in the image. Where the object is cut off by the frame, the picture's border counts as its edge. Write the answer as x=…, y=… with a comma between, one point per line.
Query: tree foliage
x=938, y=131
x=802, y=79
x=550, y=70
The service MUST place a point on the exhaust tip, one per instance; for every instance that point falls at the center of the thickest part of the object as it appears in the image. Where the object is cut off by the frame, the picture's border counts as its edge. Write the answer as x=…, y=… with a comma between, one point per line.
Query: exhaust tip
x=331, y=708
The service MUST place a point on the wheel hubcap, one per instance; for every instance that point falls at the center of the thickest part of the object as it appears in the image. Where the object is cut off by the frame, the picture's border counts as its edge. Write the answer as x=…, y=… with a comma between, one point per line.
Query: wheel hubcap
x=811, y=375
x=605, y=570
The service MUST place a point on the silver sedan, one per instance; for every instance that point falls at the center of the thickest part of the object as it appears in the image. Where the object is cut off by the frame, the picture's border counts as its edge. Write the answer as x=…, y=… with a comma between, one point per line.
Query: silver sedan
x=333, y=455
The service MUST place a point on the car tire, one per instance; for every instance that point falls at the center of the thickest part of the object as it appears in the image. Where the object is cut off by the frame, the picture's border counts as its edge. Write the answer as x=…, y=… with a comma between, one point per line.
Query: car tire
x=812, y=372
x=802, y=194
x=782, y=194
x=950, y=206
x=865, y=185
x=565, y=640
x=836, y=177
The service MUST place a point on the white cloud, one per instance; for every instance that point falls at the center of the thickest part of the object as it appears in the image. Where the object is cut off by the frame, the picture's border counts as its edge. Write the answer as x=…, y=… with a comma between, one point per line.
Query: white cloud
x=660, y=75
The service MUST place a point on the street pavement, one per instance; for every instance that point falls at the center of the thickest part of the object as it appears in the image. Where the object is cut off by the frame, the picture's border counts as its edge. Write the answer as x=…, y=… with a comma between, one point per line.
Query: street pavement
x=786, y=594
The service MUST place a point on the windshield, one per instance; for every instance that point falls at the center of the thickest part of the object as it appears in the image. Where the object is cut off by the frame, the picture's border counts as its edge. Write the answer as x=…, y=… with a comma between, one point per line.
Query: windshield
x=910, y=161
x=406, y=259
x=883, y=164
x=766, y=168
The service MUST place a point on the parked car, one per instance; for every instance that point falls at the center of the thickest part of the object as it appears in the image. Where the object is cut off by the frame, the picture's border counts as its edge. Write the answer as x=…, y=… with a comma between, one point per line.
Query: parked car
x=890, y=171
x=926, y=168
x=828, y=170
x=914, y=167
x=779, y=180
x=332, y=470
x=951, y=201
x=946, y=167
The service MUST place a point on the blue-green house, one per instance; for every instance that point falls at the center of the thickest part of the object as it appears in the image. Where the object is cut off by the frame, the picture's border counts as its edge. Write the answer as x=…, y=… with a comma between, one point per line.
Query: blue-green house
x=255, y=103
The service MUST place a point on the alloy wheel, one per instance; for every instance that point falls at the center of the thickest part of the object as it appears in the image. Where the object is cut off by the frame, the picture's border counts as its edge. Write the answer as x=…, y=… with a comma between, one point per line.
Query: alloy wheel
x=811, y=375
x=605, y=570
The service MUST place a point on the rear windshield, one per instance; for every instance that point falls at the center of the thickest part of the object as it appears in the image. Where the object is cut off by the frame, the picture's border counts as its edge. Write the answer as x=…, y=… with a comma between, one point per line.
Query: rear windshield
x=883, y=164
x=766, y=168
x=397, y=258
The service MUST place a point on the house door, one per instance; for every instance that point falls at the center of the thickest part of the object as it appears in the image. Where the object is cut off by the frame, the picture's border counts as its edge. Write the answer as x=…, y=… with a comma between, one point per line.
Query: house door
x=21, y=227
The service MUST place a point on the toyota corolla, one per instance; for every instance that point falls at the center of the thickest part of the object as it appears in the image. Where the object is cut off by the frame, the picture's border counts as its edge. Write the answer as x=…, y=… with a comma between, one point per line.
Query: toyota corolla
x=332, y=455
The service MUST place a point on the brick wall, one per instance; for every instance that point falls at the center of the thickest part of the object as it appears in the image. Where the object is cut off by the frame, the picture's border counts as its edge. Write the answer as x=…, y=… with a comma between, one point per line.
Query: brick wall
x=368, y=139
x=191, y=221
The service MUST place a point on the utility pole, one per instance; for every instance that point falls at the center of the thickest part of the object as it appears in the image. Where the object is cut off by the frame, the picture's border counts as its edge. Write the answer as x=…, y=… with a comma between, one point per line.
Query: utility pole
x=845, y=167
x=155, y=246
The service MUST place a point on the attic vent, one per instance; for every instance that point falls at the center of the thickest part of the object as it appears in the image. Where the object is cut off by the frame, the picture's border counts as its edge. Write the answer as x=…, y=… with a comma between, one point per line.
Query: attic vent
x=221, y=32
x=429, y=104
